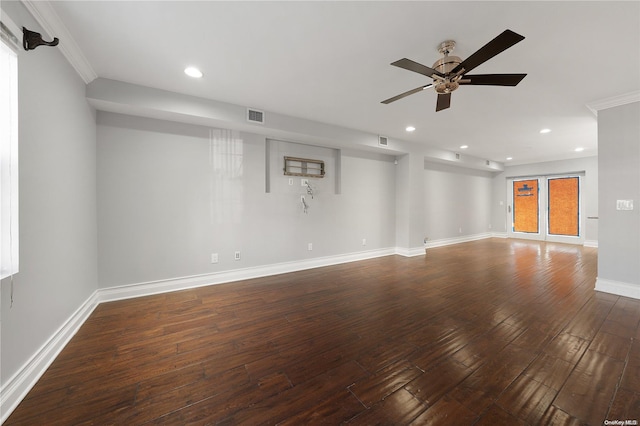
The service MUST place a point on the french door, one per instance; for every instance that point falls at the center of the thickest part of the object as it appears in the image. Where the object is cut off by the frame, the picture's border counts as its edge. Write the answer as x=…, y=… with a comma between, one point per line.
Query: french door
x=546, y=208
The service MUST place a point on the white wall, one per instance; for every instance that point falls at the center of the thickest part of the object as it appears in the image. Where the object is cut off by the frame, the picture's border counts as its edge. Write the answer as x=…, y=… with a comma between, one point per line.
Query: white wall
x=164, y=208
x=457, y=202
x=589, y=190
x=125, y=98
x=58, y=231
x=619, y=171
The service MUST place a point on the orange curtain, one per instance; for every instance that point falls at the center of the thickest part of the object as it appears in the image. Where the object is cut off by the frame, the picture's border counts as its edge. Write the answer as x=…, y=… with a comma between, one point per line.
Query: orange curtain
x=525, y=206
x=563, y=206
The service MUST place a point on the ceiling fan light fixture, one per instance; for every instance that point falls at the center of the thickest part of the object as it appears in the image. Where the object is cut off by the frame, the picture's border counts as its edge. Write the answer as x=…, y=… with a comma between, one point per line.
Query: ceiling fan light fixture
x=193, y=72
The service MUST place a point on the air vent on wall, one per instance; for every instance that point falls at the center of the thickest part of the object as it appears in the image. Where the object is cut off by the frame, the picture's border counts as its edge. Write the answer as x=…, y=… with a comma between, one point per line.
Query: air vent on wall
x=255, y=116
x=383, y=141
x=457, y=155
x=488, y=163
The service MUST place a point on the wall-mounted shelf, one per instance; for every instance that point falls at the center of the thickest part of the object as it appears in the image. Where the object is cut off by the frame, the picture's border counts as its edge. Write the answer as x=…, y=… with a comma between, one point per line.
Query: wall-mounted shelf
x=306, y=167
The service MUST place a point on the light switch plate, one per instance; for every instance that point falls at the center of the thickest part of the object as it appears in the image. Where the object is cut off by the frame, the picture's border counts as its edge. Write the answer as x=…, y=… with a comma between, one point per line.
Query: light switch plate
x=624, y=204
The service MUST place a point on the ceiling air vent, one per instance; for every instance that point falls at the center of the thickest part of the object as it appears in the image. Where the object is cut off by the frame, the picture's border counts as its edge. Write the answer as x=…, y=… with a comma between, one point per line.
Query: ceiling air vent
x=383, y=140
x=255, y=116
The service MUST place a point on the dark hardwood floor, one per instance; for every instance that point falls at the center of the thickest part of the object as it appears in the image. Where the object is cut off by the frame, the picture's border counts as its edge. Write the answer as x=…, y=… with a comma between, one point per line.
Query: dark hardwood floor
x=490, y=332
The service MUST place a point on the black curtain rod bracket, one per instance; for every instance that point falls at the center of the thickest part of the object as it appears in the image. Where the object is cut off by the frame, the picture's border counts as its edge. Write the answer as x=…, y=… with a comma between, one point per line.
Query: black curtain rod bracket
x=31, y=40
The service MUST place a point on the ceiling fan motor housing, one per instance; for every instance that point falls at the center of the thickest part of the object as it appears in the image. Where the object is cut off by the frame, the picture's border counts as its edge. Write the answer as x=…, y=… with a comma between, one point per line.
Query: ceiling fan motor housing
x=445, y=65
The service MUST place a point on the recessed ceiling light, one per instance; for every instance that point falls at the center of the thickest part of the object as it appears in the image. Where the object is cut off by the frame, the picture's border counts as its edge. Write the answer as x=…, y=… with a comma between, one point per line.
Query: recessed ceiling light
x=193, y=72
x=464, y=146
x=543, y=131
x=410, y=128
x=579, y=149
x=509, y=158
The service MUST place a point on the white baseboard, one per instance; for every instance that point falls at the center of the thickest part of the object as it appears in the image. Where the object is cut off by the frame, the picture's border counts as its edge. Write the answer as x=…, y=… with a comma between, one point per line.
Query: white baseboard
x=499, y=235
x=410, y=252
x=619, y=288
x=16, y=388
x=456, y=240
x=194, y=281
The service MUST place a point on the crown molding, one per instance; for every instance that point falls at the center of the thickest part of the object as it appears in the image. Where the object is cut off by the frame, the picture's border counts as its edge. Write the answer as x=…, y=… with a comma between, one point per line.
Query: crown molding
x=51, y=23
x=614, y=101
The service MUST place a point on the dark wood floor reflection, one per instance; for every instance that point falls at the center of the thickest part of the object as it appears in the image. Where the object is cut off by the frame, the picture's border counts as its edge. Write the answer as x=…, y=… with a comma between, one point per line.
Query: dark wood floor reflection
x=489, y=332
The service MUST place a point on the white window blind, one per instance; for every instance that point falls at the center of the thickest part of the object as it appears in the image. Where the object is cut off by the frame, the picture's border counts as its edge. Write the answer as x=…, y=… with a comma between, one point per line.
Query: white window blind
x=8, y=158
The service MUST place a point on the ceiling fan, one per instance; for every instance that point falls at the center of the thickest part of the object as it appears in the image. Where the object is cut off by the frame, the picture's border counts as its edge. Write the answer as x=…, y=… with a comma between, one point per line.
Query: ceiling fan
x=449, y=72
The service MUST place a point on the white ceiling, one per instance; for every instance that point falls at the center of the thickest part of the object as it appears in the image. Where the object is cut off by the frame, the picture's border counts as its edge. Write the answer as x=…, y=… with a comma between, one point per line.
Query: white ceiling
x=329, y=62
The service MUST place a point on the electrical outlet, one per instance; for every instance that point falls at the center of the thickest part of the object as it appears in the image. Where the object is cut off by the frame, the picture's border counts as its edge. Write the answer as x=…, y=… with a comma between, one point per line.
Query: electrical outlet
x=460, y=230
x=310, y=246
x=237, y=255
x=214, y=257
x=364, y=241
x=290, y=181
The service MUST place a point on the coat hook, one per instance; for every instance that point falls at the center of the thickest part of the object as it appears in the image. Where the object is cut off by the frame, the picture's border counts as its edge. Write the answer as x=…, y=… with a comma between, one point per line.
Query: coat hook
x=31, y=40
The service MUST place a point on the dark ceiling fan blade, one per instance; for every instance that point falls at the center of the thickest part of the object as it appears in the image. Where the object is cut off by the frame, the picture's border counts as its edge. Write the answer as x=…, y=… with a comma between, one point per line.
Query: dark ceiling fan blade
x=407, y=93
x=444, y=101
x=410, y=65
x=499, y=44
x=492, y=79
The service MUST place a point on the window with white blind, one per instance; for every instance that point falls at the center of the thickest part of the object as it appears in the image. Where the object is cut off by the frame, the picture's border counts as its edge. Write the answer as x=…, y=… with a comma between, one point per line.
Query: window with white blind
x=8, y=151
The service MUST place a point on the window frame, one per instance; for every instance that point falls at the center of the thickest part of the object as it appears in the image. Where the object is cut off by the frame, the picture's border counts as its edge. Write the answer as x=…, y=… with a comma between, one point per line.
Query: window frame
x=9, y=148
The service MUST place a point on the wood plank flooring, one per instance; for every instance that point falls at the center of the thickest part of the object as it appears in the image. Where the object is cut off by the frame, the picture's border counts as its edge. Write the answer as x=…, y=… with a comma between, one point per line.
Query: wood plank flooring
x=497, y=331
